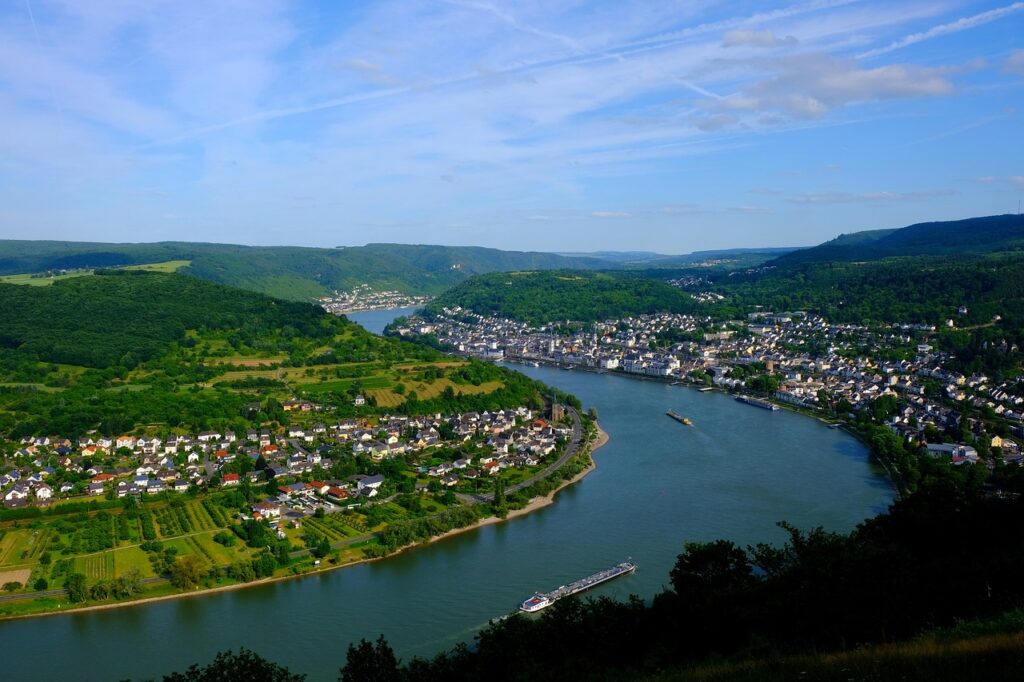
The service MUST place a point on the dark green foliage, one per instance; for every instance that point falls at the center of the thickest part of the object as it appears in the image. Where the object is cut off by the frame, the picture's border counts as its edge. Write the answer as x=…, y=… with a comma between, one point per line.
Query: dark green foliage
x=918, y=290
x=541, y=297
x=76, y=588
x=292, y=272
x=367, y=662
x=129, y=317
x=245, y=666
x=941, y=555
x=951, y=238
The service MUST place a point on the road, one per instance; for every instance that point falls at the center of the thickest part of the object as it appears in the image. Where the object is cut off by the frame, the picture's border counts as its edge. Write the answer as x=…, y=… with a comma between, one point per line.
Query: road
x=570, y=451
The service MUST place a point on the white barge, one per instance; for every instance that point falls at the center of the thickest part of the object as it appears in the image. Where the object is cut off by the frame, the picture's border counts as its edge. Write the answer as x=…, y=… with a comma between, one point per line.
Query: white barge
x=542, y=600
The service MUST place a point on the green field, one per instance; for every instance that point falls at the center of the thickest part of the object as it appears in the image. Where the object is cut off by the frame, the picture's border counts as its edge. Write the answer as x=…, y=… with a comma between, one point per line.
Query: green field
x=31, y=279
x=96, y=566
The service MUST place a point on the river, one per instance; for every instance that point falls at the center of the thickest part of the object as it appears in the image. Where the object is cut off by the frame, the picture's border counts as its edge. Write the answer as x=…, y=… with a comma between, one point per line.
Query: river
x=658, y=484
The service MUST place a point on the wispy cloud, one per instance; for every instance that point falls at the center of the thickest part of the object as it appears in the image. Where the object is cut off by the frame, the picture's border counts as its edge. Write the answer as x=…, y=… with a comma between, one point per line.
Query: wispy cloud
x=222, y=113
x=962, y=24
x=755, y=38
x=870, y=197
x=1014, y=64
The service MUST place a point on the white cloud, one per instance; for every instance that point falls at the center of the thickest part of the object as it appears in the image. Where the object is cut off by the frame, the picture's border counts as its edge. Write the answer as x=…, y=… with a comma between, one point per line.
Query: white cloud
x=715, y=122
x=755, y=38
x=811, y=84
x=1017, y=180
x=961, y=24
x=610, y=214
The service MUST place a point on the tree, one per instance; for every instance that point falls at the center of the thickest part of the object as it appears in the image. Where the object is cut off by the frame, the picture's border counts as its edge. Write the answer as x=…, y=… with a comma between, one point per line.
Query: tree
x=127, y=584
x=75, y=586
x=705, y=568
x=241, y=667
x=186, y=572
x=12, y=586
x=500, y=505
x=368, y=662
x=40, y=584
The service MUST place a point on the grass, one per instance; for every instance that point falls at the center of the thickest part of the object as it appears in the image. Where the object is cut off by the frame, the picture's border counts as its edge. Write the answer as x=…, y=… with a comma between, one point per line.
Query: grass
x=991, y=658
x=165, y=266
x=29, y=280
x=21, y=547
x=97, y=566
x=368, y=383
x=387, y=397
x=127, y=558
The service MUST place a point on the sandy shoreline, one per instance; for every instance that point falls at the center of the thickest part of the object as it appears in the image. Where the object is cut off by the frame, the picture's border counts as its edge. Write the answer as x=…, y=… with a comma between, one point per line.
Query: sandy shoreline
x=534, y=504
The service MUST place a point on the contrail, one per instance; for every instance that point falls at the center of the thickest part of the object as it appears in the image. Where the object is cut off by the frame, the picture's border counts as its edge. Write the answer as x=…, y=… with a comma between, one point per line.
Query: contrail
x=961, y=24
x=39, y=42
x=618, y=52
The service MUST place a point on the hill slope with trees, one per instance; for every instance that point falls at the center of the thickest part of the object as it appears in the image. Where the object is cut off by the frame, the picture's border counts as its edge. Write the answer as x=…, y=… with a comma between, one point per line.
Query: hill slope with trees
x=543, y=297
x=296, y=273
x=986, y=234
x=122, y=350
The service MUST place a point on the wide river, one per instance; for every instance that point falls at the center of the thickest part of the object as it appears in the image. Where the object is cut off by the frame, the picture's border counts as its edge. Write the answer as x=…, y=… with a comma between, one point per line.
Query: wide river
x=734, y=474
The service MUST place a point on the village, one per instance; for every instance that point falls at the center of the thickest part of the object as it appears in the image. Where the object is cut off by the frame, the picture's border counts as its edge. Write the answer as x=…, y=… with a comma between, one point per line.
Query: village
x=363, y=297
x=296, y=462
x=795, y=359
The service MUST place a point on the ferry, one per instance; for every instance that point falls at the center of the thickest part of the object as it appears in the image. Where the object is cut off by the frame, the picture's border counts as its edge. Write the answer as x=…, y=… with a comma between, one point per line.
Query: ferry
x=757, y=402
x=706, y=389
x=542, y=600
x=680, y=418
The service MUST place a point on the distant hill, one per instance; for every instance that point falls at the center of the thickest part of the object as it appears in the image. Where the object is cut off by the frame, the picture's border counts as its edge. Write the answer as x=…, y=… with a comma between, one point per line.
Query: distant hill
x=99, y=321
x=550, y=296
x=726, y=258
x=970, y=236
x=295, y=273
x=125, y=349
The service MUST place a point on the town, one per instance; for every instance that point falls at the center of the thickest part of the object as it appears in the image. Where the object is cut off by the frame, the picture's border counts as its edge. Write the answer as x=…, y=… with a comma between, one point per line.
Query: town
x=298, y=460
x=364, y=297
x=796, y=359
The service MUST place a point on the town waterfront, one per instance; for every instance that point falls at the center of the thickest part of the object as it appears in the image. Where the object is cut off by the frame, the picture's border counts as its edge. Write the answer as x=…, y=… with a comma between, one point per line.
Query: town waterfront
x=735, y=473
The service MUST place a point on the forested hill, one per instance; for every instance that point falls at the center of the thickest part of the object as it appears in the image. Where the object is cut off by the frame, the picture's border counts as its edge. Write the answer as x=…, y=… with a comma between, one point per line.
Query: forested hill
x=542, y=297
x=295, y=273
x=96, y=321
x=971, y=236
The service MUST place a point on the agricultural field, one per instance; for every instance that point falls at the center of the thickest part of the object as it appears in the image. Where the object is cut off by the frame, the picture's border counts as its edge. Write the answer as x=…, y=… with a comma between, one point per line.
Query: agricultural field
x=31, y=279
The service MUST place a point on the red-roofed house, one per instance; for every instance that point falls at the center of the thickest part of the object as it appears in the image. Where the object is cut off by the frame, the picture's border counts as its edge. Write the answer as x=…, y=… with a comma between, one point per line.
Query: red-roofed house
x=232, y=479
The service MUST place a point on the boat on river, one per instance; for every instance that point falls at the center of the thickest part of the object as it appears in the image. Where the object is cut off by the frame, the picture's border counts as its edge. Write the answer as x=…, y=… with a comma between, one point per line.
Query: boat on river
x=685, y=421
x=757, y=402
x=542, y=600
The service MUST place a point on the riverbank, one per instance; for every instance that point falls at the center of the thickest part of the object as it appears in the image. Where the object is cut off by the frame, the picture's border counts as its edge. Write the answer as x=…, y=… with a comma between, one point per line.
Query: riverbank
x=534, y=504
x=841, y=423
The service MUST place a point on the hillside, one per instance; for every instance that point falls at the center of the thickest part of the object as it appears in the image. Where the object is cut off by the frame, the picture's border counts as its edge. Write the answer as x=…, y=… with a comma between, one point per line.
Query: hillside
x=542, y=297
x=295, y=273
x=122, y=350
x=970, y=236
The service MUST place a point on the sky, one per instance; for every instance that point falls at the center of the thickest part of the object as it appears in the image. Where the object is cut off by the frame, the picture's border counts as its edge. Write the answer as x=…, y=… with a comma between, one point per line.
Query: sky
x=546, y=125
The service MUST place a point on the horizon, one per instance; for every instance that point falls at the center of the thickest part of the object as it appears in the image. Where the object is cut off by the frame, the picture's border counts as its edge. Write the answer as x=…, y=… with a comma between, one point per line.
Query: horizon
x=618, y=126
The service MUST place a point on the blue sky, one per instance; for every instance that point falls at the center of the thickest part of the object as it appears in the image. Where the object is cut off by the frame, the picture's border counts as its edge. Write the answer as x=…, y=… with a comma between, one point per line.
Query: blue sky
x=547, y=125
